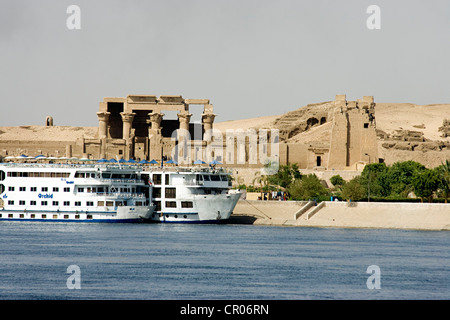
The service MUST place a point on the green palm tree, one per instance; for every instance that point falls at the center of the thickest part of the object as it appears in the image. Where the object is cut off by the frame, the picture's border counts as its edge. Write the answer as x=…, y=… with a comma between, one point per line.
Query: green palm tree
x=444, y=178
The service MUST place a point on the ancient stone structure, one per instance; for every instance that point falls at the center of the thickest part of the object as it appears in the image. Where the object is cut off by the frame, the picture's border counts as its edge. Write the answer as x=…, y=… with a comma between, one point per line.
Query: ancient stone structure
x=135, y=126
x=353, y=134
x=445, y=129
x=334, y=135
x=49, y=121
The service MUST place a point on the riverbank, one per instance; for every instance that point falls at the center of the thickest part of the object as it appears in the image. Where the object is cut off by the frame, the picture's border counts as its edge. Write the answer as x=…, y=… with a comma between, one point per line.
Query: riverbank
x=386, y=215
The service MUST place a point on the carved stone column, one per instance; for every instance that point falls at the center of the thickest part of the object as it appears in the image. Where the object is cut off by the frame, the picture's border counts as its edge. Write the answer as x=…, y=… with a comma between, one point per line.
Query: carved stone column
x=155, y=120
x=154, y=135
x=103, y=118
x=184, y=119
x=207, y=120
x=127, y=120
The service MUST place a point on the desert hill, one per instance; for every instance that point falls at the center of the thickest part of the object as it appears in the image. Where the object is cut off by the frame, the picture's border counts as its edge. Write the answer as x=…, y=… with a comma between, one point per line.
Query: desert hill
x=389, y=117
x=405, y=131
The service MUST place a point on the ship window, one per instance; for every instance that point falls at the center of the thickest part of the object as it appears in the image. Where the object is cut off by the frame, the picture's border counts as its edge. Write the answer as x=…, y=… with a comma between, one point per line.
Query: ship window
x=90, y=203
x=11, y=202
x=55, y=216
x=106, y=175
x=2, y=188
x=67, y=189
x=44, y=216
x=167, y=179
x=66, y=203
x=10, y=215
x=55, y=189
x=157, y=179
x=21, y=215
x=77, y=216
x=80, y=189
x=110, y=203
x=44, y=203
x=187, y=204
x=21, y=202
x=79, y=175
x=158, y=205
x=2, y=175
x=33, y=189
x=32, y=203
x=100, y=203
x=32, y=216
x=206, y=177
x=44, y=189
x=171, y=204
x=55, y=203
x=66, y=216
x=224, y=178
x=10, y=188
x=119, y=203
x=171, y=193
x=215, y=177
x=156, y=192
x=77, y=203
x=89, y=216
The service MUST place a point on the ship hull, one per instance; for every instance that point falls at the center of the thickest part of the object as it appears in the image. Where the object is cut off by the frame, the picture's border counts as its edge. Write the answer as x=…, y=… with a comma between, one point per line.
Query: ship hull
x=121, y=215
x=208, y=209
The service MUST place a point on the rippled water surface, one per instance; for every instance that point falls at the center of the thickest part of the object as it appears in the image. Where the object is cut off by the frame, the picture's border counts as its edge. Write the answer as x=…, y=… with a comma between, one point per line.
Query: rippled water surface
x=158, y=261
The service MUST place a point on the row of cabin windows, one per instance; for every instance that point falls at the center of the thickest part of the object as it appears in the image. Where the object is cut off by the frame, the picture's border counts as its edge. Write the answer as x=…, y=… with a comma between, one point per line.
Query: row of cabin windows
x=67, y=189
x=19, y=174
x=45, y=216
x=205, y=177
x=34, y=189
x=173, y=204
x=212, y=177
x=78, y=203
x=106, y=175
x=105, y=189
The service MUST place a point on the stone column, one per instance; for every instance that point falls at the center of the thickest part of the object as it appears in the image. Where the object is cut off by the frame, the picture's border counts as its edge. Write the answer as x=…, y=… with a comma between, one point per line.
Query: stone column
x=127, y=120
x=207, y=120
x=184, y=118
x=103, y=118
x=155, y=120
x=154, y=135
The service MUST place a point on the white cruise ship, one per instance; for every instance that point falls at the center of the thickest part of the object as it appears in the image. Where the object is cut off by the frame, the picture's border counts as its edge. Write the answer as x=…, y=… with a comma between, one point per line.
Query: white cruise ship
x=191, y=195
x=69, y=192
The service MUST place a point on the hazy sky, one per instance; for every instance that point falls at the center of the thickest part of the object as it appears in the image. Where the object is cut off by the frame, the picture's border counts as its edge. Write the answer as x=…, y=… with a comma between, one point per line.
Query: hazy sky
x=250, y=58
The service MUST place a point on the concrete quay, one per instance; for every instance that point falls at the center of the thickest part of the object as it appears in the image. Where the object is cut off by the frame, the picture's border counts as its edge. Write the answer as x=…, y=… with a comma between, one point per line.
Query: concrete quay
x=386, y=215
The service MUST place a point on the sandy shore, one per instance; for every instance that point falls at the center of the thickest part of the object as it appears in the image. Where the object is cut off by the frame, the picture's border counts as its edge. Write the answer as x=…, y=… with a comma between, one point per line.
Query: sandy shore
x=417, y=216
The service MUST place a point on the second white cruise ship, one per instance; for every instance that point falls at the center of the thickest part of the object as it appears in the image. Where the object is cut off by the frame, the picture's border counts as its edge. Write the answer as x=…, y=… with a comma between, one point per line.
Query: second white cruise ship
x=191, y=195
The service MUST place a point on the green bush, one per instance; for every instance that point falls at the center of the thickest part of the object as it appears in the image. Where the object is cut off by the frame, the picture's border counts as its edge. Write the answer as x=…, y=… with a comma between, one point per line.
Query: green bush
x=307, y=188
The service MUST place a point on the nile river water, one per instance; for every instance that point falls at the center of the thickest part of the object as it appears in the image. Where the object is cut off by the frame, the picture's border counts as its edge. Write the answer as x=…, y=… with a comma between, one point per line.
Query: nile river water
x=162, y=261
